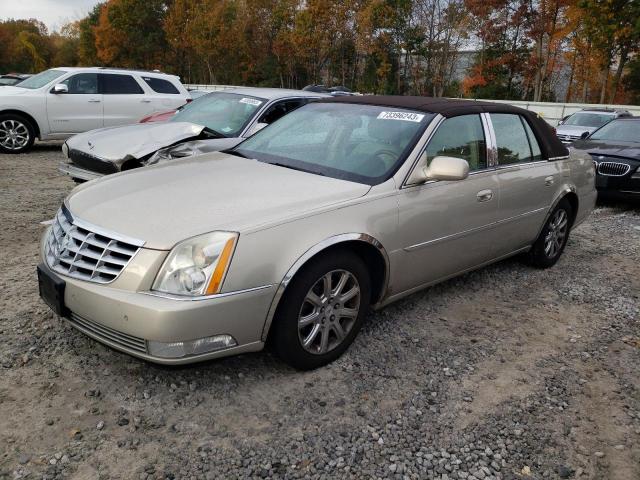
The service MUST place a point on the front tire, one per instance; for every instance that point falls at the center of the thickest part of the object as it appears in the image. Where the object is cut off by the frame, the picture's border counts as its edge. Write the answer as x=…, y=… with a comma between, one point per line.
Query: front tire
x=554, y=236
x=16, y=133
x=322, y=310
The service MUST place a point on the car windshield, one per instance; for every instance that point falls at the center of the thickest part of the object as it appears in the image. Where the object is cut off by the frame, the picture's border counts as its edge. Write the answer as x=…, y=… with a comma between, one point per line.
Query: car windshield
x=360, y=143
x=619, y=130
x=225, y=113
x=41, y=79
x=584, y=119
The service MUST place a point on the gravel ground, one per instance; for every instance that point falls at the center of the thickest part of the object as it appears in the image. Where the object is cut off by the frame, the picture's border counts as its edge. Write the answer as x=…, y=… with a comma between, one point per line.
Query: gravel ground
x=506, y=372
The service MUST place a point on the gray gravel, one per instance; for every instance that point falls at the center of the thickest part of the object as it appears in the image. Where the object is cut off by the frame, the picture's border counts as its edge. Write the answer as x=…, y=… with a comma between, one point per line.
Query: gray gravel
x=504, y=373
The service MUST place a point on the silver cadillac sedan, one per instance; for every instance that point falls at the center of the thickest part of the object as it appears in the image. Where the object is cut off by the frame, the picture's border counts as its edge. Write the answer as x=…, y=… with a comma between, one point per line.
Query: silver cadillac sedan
x=291, y=237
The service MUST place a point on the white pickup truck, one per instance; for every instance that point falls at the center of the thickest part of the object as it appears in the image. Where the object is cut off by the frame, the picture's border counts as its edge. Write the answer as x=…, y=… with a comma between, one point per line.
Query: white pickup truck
x=61, y=102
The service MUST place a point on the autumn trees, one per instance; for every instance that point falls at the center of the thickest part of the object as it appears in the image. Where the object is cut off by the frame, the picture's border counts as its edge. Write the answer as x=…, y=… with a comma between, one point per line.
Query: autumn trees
x=564, y=50
x=527, y=46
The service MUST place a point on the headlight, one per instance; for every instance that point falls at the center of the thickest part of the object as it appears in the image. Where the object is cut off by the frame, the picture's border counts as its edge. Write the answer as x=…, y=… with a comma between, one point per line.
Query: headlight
x=197, y=266
x=65, y=150
x=636, y=173
x=177, y=151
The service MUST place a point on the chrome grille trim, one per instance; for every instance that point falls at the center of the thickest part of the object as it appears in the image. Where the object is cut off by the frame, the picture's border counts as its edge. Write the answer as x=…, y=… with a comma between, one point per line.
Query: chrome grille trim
x=79, y=250
x=568, y=138
x=107, y=335
x=613, y=169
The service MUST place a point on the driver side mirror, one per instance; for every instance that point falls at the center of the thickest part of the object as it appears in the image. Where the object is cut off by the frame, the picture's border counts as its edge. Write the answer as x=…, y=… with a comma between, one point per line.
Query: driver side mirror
x=257, y=127
x=441, y=168
x=60, y=88
x=584, y=135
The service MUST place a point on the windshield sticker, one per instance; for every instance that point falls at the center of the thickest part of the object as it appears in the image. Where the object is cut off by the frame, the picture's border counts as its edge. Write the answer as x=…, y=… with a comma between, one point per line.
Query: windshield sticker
x=404, y=116
x=251, y=101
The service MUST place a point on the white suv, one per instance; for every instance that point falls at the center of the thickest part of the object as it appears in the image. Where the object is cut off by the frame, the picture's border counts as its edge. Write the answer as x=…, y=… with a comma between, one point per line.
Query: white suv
x=61, y=102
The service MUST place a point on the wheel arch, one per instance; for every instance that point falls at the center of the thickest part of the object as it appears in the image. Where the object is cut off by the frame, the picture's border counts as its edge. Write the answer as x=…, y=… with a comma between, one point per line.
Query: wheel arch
x=567, y=192
x=30, y=118
x=367, y=247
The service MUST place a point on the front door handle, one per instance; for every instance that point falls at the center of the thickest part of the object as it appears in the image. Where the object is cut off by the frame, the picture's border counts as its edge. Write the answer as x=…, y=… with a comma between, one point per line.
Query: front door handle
x=484, y=195
x=549, y=181
x=94, y=100
x=145, y=100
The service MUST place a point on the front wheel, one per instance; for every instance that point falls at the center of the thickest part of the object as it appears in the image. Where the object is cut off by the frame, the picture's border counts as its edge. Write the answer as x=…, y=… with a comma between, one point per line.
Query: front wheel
x=322, y=310
x=16, y=134
x=554, y=236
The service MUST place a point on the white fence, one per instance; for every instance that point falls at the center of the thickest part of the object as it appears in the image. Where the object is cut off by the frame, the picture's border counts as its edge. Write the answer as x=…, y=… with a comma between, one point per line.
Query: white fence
x=209, y=88
x=554, y=112
x=551, y=112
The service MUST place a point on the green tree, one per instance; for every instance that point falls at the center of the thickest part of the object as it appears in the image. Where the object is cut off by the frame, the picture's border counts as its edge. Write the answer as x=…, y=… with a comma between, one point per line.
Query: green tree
x=130, y=34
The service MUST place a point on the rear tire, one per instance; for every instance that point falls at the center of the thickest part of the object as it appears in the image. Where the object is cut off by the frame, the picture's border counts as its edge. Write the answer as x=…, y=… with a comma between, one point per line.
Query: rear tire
x=322, y=310
x=554, y=236
x=16, y=133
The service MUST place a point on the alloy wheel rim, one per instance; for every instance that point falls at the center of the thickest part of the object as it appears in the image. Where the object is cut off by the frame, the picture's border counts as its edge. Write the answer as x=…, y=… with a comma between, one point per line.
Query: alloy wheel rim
x=14, y=135
x=557, y=233
x=329, y=312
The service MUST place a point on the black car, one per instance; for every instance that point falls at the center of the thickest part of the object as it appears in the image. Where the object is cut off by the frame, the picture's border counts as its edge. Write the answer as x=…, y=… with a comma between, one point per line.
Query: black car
x=615, y=148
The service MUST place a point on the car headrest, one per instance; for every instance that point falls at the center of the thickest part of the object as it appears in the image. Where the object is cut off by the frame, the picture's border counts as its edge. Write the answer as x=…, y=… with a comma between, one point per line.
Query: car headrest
x=389, y=131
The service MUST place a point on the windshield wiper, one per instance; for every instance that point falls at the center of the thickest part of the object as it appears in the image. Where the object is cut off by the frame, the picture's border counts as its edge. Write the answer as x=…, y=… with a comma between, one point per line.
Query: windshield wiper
x=295, y=168
x=235, y=152
x=214, y=133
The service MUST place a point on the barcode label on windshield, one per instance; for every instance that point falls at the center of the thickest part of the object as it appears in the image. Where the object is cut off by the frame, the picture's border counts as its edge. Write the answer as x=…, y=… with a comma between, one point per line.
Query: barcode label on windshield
x=404, y=116
x=250, y=101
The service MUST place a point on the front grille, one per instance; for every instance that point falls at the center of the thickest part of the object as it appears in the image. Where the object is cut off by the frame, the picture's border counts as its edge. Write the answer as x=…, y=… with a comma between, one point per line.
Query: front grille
x=568, y=138
x=106, y=334
x=74, y=250
x=613, y=169
x=89, y=162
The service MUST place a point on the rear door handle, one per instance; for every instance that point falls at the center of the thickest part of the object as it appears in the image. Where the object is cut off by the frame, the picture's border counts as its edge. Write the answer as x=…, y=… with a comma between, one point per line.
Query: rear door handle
x=145, y=100
x=484, y=195
x=94, y=100
x=549, y=181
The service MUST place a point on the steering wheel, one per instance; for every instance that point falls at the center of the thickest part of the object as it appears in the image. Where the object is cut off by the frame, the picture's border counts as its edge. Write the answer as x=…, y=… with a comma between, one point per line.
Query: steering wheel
x=379, y=162
x=386, y=156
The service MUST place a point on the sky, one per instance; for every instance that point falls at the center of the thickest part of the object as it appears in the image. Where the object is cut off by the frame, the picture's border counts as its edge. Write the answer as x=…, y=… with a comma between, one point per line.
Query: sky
x=53, y=13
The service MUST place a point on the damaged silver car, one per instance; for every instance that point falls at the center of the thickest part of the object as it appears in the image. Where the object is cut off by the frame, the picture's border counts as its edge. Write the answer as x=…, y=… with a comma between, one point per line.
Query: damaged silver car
x=214, y=122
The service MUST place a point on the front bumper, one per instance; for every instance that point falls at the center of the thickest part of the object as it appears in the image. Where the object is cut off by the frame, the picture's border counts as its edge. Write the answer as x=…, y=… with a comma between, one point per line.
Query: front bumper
x=127, y=321
x=77, y=172
x=621, y=187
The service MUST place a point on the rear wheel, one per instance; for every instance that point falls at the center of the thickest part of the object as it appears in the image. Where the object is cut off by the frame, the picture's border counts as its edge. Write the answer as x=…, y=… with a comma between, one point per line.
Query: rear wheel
x=322, y=310
x=554, y=236
x=16, y=133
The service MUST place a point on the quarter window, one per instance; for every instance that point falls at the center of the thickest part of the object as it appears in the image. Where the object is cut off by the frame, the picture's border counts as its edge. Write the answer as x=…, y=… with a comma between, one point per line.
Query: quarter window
x=82, y=84
x=159, y=85
x=535, y=147
x=460, y=137
x=114, y=84
x=511, y=138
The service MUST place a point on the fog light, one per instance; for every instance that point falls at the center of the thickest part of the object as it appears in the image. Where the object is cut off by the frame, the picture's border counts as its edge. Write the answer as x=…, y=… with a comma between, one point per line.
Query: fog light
x=189, y=348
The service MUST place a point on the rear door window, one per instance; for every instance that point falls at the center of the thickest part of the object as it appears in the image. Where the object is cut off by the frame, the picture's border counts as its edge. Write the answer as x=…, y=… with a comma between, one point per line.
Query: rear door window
x=159, y=85
x=116, y=84
x=511, y=138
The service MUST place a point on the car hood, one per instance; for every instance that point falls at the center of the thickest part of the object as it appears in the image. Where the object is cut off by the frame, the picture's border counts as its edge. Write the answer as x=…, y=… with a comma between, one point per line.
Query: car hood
x=575, y=130
x=193, y=147
x=11, y=91
x=610, y=148
x=117, y=144
x=172, y=201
